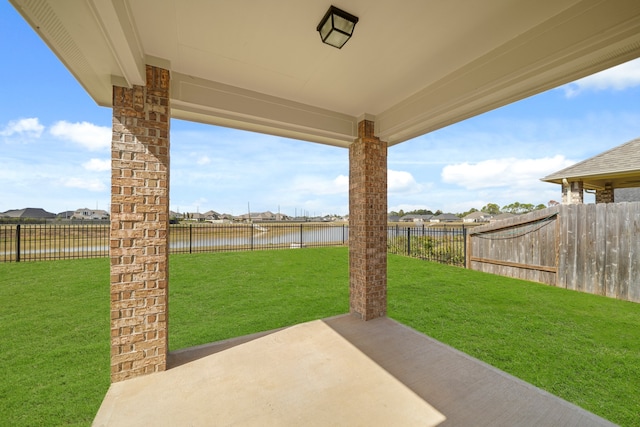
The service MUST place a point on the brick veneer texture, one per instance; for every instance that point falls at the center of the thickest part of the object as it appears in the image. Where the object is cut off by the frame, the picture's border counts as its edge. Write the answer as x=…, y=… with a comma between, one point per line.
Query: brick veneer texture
x=139, y=227
x=606, y=195
x=572, y=194
x=368, y=224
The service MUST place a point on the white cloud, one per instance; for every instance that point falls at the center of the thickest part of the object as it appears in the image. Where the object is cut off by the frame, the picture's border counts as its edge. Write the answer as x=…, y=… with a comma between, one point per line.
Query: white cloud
x=509, y=172
x=401, y=182
x=30, y=127
x=204, y=160
x=623, y=76
x=97, y=165
x=85, y=184
x=86, y=134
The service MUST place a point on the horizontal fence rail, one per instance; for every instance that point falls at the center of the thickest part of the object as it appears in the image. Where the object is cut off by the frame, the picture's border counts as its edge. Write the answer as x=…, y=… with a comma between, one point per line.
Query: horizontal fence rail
x=36, y=242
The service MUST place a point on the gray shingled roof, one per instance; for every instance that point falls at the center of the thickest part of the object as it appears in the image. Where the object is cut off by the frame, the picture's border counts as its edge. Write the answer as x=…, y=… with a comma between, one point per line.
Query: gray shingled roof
x=620, y=161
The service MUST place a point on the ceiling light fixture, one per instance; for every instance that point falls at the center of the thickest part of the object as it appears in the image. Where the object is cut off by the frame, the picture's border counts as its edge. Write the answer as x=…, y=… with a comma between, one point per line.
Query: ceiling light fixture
x=336, y=27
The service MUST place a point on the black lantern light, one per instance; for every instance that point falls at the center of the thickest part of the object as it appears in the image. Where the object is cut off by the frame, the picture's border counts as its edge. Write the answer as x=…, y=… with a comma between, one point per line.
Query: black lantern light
x=336, y=27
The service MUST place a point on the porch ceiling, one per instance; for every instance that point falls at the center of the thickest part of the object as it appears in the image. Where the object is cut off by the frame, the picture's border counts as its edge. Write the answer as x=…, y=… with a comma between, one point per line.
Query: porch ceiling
x=412, y=66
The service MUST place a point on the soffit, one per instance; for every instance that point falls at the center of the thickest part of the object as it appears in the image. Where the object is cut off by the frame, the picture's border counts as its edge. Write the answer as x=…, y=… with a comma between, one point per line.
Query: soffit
x=413, y=66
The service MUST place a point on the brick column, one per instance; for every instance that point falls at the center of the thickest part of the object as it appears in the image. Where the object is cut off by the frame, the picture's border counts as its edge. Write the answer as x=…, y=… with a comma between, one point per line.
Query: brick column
x=140, y=227
x=368, y=224
x=606, y=195
x=572, y=193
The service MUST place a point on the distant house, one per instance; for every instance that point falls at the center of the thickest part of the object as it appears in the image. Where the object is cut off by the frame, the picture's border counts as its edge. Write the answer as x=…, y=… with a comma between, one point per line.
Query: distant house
x=445, y=217
x=65, y=215
x=477, y=216
x=415, y=218
x=266, y=216
x=176, y=215
x=90, y=214
x=393, y=218
x=29, y=213
x=606, y=173
x=194, y=216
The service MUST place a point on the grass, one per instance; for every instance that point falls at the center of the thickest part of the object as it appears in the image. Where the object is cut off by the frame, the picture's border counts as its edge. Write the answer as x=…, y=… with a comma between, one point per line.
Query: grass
x=54, y=324
x=581, y=347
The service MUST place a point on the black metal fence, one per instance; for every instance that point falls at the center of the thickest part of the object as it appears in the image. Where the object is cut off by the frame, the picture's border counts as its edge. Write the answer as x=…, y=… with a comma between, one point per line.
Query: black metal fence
x=446, y=244
x=36, y=242
x=39, y=242
x=194, y=238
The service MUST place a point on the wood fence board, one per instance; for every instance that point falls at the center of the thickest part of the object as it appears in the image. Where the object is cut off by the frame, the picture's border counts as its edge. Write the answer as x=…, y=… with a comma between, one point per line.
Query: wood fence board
x=624, y=254
x=600, y=252
x=572, y=245
x=589, y=242
x=612, y=251
x=634, y=253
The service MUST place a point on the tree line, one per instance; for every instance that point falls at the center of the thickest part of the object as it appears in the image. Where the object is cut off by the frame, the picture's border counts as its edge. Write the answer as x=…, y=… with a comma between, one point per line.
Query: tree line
x=516, y=208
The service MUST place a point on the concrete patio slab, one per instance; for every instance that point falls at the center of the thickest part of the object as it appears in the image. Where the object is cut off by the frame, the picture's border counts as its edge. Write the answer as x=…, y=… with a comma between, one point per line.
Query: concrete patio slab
x=331, y=372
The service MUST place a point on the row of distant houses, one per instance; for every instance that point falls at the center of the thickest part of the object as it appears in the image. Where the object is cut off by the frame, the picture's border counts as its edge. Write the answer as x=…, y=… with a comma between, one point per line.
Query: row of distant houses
x=215, y=217
x=448, y=217
x=41, y=214
x=210, y=216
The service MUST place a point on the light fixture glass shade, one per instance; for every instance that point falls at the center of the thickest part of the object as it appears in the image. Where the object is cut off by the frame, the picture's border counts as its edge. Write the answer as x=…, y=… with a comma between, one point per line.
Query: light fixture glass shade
x=336, y=27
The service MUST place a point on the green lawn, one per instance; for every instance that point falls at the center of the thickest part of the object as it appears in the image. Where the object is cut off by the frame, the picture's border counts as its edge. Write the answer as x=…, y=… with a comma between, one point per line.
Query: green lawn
x=54, y=324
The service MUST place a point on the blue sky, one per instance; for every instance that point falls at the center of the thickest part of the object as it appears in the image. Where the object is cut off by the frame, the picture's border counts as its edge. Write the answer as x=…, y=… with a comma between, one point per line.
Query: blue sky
x=54, y=147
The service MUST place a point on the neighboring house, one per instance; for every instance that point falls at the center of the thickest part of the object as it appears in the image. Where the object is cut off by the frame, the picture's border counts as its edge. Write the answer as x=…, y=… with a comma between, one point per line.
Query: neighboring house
x=90, y=214
x=445, y=217
x=65, y=215
x=501, y=216
x=268, y=216
x=194, y=216
x=393, y=218
x=176, y=215
x=477, y=216
x=29, y=213
x=415, y=218
x=211, y=216
x=617, y=168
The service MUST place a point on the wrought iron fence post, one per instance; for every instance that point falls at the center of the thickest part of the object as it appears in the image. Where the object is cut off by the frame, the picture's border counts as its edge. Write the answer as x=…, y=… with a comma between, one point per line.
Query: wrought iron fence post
x=18, y=243
x=190, y=238
x=301, y=235
x=464, y=239
x=408, y=241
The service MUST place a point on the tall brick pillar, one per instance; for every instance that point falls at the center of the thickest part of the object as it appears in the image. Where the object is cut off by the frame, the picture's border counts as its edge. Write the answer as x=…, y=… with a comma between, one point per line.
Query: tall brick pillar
x=140, y=227
x=605, y=195
x=368, y=224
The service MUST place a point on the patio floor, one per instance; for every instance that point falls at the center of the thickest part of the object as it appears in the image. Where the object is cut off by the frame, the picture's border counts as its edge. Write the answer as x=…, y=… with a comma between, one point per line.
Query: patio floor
x=332, y=372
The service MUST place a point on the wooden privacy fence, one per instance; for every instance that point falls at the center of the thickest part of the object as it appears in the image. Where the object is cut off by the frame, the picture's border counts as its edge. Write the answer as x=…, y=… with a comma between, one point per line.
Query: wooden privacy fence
x=591, y=248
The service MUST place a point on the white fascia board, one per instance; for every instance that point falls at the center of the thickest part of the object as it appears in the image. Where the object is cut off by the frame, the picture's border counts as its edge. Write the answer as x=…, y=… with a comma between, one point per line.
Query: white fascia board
x=215, y=103
x=116, y=23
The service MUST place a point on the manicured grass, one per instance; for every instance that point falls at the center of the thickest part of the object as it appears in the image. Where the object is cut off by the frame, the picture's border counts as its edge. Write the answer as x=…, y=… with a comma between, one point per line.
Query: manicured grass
x=230, y=294
x=581, y=347
x=54, y=345
x=54, y=324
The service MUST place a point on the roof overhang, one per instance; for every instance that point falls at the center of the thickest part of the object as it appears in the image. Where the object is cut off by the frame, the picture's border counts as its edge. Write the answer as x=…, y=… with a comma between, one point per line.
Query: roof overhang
x=412, y=67
x=597, y=182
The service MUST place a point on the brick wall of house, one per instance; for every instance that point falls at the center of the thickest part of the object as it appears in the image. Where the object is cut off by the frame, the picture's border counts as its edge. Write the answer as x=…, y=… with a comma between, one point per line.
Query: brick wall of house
x=139, y=227
x=368, y=224
x=605, y=195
